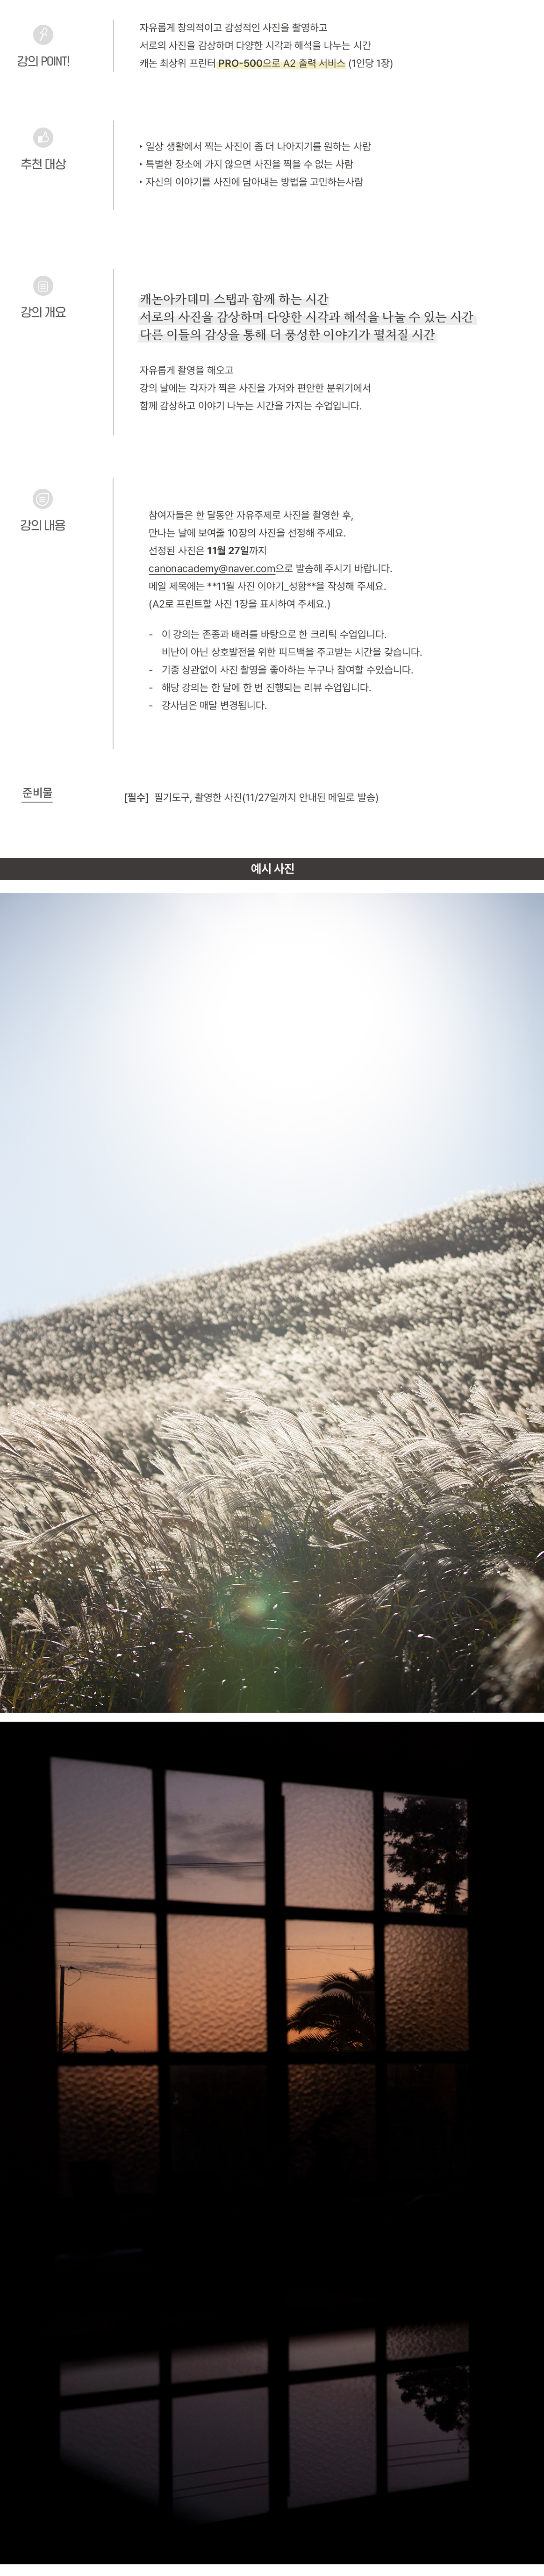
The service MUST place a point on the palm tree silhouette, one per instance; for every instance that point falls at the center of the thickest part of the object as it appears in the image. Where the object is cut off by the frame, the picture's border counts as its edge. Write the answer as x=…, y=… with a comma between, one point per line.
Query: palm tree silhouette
x=341, y=2017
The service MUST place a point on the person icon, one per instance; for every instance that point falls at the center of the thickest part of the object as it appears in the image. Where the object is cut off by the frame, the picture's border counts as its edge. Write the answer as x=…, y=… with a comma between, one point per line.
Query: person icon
x=43, y=285
x=42, y=136
x=42, y=497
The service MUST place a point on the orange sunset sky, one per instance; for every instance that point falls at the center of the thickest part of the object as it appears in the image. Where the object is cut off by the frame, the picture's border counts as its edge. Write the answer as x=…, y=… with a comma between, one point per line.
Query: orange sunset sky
x=217, y=1983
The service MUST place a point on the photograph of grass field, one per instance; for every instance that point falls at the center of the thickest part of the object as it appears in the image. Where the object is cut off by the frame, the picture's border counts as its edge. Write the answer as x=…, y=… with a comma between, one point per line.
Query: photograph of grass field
x=271, y=1299
x=311, y=1483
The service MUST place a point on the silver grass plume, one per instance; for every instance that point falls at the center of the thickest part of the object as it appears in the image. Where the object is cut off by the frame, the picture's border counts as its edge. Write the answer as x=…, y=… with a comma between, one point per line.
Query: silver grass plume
x=58, y=1476
x=516, y=1661
x=5, y=1666
x=348, y=1461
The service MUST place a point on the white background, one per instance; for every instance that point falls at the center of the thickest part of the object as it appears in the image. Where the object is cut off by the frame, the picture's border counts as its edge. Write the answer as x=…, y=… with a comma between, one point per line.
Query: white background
x=438, y=470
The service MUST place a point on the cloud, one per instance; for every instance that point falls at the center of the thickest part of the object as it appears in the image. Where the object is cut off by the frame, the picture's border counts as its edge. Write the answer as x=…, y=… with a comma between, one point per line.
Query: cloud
x=232, y=1848
x=113, y=1967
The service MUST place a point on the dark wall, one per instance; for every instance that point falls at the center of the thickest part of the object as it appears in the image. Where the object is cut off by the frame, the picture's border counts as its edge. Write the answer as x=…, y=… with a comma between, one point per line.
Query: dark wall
x=496, y=2519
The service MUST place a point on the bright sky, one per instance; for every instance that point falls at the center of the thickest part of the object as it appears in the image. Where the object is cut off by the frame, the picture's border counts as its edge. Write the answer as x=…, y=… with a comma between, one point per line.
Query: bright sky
x=193, y=1078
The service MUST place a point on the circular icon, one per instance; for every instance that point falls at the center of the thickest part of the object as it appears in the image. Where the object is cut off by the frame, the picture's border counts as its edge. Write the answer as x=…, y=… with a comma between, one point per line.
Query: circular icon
x=42, y=285
x=42, y=34
x=42, y=134
x=42, y=497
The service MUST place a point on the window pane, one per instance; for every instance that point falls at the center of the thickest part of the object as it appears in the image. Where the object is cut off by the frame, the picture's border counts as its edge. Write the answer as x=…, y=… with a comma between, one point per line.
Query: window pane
x=322, y=2352
x=219, y=2119
x=119, y=2443
x=332, y=2441
x=407, y=2343
x=425, y=1854
x=129, y=2370
x=332, y=2125
x=214, y=1839
x=426, y=1987
x=221, y=2361
x=216, y=1983
x=330, y=1987
x=109, y=1994
x=427, y=2124
x=102, y=1829
x=220, y=2455
x=427, y=2426
x=108, y=2130
x=328, y=1847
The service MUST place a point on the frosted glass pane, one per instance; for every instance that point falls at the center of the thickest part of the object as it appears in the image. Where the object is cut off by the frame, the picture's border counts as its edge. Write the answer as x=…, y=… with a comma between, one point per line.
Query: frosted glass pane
x=221, y=2361
x=332, y=2126
x=330, y=1987
x=219, y=2118
x=427, y=2124
x=220, y=2455
x=102, y=1829
x=216, y=1983
x=215, y=1839
x=108, y=2129
x=332, y=2441
x=330, y=2352
x=118, y=2443
x=109, y=1996
x=427, y=2426
x=407, y=2343
x=328, y=1847
x=426, y=1987
x=425, y=1854
x=128, y=2370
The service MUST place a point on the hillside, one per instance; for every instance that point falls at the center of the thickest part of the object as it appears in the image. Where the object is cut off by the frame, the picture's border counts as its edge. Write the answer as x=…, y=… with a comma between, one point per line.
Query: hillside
x=289, y=1485
x=456, y=1294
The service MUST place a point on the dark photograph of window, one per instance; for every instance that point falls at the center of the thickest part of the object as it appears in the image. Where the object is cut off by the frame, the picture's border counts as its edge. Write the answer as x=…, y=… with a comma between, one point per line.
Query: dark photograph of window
x=253, y=1995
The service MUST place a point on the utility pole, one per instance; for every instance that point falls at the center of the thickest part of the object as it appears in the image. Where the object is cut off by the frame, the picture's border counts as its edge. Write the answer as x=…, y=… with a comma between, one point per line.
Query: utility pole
x=61, y=2011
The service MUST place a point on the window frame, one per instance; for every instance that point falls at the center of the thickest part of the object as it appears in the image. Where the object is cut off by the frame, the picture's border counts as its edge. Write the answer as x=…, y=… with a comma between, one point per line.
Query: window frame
x=177, y=1756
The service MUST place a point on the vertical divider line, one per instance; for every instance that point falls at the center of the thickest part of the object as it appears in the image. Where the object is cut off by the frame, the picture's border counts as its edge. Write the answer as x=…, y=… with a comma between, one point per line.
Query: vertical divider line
x=278, y=2141
x=165, y=2149
x=112, y=613
x=113, y=350
x=381, y=2150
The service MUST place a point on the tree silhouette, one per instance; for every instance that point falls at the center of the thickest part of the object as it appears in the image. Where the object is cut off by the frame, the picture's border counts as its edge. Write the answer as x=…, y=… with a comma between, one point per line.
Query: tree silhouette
x=427, y=1840
x=88, y=2030
x=342, y=2014
x=79, y=2029
x=442, y=2392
